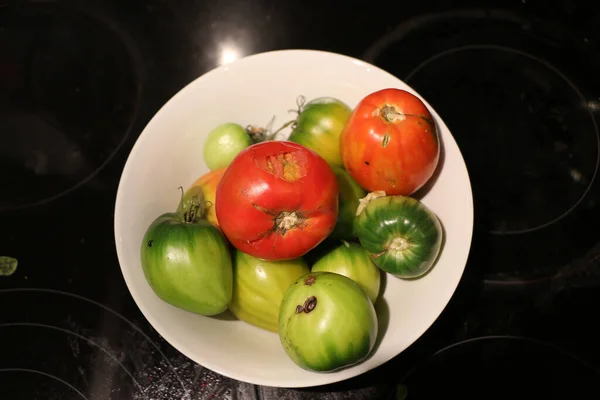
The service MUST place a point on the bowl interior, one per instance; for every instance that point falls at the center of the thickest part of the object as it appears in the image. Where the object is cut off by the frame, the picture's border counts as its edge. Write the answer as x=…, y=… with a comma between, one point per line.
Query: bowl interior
x=168, y=154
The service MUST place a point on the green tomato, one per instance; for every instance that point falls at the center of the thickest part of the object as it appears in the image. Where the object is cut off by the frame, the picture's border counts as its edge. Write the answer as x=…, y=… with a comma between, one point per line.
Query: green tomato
x=326, y=322
x=319, y=126
x=259, y=286
x=351, y=260
x=402, y=235
x=8, y=265
x=349, y=197
x=188, y=264
x=223, y=144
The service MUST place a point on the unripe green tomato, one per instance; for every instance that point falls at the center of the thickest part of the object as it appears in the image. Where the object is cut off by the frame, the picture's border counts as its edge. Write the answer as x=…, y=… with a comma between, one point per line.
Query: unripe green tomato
x=401, y=234
x=223, y=144
x=188, y=264
x=327, y=322
x=319, y=126
x=349, y=195
x=351, y=260
x=258, y=288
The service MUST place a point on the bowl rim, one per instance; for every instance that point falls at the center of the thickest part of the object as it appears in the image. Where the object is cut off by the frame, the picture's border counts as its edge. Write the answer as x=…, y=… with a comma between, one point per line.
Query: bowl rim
x=207, y=363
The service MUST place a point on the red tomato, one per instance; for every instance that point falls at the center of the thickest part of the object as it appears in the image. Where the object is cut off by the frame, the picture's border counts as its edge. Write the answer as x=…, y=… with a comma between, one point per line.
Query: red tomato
x=390, y=143
x=277, y=200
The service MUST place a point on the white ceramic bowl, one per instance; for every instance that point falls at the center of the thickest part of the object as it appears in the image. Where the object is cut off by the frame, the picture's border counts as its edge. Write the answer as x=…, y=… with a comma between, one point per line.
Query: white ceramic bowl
x=168, y=154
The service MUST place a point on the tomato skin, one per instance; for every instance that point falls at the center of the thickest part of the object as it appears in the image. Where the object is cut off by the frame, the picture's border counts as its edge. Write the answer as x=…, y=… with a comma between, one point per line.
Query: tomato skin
x=401, y=234
x=277, y=200
x=223, y=143
x=396, y=151
x=204, y=190
x=327, y=322
x=350, y=194
x=259, y=286
x=351, y=260
x=188, y=264
x=319, y=126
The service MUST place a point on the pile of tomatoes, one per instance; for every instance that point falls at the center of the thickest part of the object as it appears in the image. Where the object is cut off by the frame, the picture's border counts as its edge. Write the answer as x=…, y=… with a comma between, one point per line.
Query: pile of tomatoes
x=292, y=235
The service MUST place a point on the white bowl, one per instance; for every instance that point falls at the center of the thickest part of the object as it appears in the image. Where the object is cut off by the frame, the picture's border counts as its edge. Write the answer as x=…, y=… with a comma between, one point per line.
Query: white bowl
x=168, y=154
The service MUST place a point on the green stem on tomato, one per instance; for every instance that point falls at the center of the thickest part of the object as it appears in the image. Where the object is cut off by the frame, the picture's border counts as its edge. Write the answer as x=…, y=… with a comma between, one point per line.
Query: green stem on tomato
x=196, y=208
x=259, y=134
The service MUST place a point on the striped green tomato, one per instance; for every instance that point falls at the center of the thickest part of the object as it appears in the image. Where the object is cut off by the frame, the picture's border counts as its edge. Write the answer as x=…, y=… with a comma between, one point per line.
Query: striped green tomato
x=402, y=235
x=187, y=263
x=319, y=125
x=258, y=288
x=326, y=322
x=351, y=260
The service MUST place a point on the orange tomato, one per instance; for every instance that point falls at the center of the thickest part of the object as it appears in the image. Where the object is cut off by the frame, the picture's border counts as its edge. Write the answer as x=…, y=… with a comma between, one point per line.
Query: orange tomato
x=390, y=143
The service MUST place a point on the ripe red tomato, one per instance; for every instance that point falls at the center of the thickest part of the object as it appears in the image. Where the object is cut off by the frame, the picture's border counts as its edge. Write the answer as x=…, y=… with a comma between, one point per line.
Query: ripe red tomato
x=390, y=142
x=277, y=200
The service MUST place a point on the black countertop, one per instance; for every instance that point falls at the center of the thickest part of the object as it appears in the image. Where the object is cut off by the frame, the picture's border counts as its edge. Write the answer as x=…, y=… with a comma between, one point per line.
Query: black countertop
x=516, y=81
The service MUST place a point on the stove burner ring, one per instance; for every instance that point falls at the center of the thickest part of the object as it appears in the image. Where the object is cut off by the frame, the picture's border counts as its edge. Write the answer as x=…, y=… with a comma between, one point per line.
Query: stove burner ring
x=67, y=119
x=583, y=102
x=496, y=352
x=46, y=375
x=141, y=391
x=78, y=336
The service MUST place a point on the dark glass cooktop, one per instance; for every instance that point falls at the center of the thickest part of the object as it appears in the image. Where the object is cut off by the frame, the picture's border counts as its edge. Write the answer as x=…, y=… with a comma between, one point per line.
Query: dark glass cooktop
x=516, y=82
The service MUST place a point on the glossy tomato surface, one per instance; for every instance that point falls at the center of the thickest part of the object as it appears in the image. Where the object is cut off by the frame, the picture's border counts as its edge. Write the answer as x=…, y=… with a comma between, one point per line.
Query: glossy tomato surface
x=277, y=200
x=390, y=142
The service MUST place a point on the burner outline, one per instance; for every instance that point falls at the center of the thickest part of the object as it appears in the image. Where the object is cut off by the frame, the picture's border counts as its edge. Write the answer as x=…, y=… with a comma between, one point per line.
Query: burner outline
x=136, y=62
x=498, y=15
x=537, y=342
x=56, y=378
x=569, y=83
x=115, y=313
x=91, y=342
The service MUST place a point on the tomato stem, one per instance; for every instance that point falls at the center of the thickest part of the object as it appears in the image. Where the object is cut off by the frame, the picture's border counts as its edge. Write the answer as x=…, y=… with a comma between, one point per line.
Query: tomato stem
x=390, y=114
x=399, y=244
x=195, y=209
x=362, y=203
x=271, y=136
x=259, y=134
x=288, y=220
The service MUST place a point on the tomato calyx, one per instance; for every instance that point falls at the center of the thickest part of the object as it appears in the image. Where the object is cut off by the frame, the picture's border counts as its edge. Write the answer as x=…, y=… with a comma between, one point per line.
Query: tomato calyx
x=283, y=221
x=259, y=134
x=398, y=244
x=362, y=203
x=286, y=221
x=308, y=305
x=391, y=114
x=194, y=210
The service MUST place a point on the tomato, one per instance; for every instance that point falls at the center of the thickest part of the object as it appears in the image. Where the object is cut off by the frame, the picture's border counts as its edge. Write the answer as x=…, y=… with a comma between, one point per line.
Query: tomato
x=319, y=125
x=188, y=264
x=402, y=235
x=326, y=322
x=203, y=192
x=350, y=194
x=390, y=143
x=223, y=143
x=277, y=200
x=351, y=260
x=258, y=288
